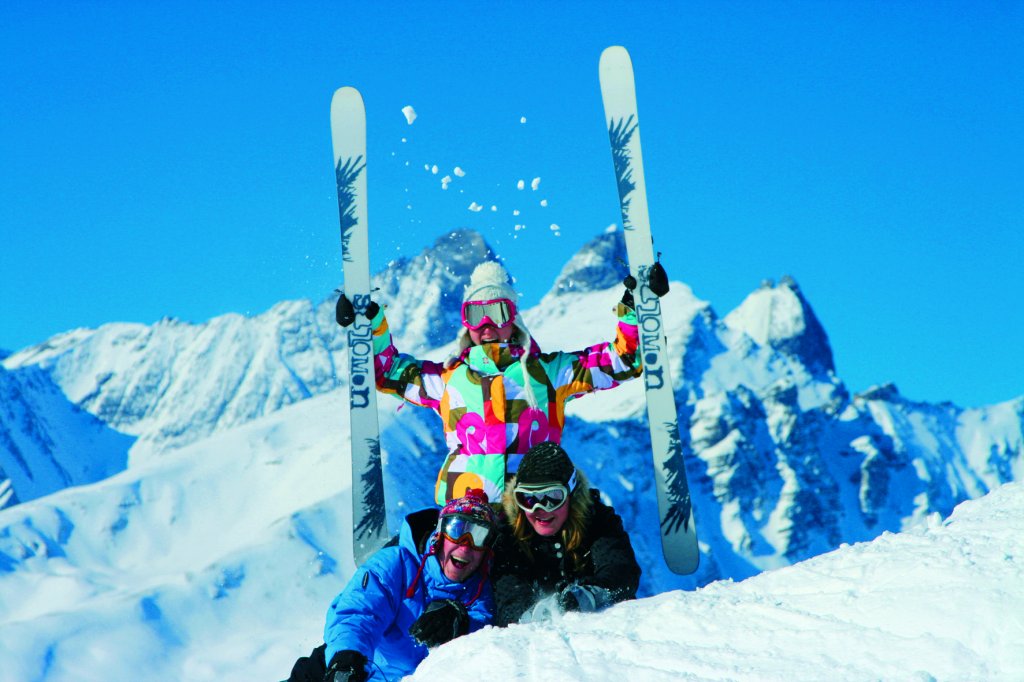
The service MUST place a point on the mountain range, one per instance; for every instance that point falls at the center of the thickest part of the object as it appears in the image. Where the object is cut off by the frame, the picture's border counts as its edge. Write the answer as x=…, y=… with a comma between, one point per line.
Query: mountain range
x=783, y=462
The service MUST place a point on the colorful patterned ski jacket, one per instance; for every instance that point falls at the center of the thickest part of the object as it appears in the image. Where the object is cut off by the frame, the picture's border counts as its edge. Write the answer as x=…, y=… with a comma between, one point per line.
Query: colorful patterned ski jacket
x=485, y=409
x=374, y=612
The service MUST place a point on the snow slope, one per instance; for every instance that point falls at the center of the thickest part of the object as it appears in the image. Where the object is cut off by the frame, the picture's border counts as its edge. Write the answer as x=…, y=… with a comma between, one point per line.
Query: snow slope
x=221, y=554
x=943, y=601
x=216, y=562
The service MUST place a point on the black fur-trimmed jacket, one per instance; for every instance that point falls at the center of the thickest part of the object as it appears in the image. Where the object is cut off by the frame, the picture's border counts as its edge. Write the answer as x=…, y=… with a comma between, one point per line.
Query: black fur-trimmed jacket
x=609, y=565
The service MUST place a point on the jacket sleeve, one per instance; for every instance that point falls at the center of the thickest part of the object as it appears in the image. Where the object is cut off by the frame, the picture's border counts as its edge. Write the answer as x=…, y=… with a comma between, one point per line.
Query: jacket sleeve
x=418, y=382
x=358, y=617
x=601, y=366
x=611, y=553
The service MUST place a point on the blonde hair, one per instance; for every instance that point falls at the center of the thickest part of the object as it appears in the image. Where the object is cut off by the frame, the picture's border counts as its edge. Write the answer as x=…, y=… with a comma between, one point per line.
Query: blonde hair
x=572, y=532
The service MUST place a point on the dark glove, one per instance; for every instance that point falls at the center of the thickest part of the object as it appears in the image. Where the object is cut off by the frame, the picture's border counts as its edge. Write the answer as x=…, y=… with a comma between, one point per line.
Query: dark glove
x=657, y=280
x=442, y=621
x=576, y=597
x=347, y=666
x=627, y=295
x=345, y=312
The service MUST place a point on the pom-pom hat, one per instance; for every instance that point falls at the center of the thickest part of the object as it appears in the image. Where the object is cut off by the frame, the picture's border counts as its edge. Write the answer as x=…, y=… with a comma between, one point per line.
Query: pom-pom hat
x=488, y=282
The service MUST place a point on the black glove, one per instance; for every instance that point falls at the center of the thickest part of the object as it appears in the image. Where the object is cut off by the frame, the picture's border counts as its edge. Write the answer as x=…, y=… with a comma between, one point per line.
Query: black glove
x=345, y=313
x=627, y=296
x=347, y=666
x=576, y=597
x=442, y=621
x=657, y=280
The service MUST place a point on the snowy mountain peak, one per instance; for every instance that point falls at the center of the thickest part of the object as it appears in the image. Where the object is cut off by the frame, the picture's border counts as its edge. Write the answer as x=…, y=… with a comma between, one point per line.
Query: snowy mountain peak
x=599, y=265
x=778, y=316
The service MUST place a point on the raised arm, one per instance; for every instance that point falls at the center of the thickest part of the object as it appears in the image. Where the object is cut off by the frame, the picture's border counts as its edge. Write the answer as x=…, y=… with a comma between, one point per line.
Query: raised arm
x=419, y=382
x=601, y=366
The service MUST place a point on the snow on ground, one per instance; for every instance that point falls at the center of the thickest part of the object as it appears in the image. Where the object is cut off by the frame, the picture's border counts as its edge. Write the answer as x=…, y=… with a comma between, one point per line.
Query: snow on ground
x=213, y=562
x=218, y=561
x=940, y=602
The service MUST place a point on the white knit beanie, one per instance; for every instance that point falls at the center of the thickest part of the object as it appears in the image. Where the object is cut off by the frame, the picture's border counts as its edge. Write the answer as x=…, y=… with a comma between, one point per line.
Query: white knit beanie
x=488, y=282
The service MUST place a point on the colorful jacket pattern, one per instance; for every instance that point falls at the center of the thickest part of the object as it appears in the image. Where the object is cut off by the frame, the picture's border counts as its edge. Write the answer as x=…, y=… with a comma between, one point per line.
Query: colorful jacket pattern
x=488, y=421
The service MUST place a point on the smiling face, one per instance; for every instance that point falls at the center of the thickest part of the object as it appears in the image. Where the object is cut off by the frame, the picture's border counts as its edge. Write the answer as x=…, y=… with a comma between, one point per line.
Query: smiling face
x=459, y=562
x=547, y=523
x=491, y=334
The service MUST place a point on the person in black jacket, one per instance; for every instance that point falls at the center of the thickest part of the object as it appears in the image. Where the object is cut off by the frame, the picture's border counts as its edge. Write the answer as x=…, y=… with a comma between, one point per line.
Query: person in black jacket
x=560, y=541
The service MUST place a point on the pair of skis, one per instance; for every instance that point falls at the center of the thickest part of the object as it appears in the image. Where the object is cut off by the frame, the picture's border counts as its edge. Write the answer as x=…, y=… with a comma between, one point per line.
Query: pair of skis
x=348, y=131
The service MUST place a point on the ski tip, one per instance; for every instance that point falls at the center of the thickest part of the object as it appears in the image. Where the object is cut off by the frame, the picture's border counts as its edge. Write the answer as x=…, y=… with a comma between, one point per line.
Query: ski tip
x=616, y=54
x=346, y=94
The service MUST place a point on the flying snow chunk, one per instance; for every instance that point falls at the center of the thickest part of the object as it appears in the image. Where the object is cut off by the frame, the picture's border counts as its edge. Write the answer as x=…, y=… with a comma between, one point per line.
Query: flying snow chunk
x=433, y=169
x=459, y=172
x=556, y=230
x=522, y=120
x=521, y=184
x=475, y=207
x=445, y=181
x=535, y=184
x=494, y=209
x=515, y=212
x=544, y=202
x=610, y=229
x=410, y=114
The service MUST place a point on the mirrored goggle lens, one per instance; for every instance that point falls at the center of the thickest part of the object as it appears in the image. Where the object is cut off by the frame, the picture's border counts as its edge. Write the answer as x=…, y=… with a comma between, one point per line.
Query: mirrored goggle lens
x=461, y=529
x=498, y=313
x=548, y=499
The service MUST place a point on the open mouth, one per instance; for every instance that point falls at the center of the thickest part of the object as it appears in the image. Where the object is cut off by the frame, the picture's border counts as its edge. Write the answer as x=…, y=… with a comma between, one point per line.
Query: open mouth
x=459, y=563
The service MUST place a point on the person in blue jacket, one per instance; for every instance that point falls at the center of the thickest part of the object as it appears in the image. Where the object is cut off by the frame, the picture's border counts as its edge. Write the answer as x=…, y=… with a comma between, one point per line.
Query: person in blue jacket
x=427, y=590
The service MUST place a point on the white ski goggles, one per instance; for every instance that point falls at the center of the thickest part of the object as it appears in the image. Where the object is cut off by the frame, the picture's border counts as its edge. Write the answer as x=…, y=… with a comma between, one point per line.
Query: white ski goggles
x=499, y=312
x=548, y=497
x=466, y=530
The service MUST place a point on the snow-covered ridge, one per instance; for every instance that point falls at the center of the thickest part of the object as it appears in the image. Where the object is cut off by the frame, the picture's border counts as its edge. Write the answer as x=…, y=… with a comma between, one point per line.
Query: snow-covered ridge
x=41, y=434
x=173, y=383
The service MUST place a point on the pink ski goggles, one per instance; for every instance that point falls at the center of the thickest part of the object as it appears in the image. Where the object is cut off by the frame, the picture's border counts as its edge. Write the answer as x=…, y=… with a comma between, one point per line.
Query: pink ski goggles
x=499, y=312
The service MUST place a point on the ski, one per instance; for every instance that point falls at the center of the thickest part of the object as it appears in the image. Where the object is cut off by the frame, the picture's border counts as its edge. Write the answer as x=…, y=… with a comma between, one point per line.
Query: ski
x=678, y=532
x=369, y=513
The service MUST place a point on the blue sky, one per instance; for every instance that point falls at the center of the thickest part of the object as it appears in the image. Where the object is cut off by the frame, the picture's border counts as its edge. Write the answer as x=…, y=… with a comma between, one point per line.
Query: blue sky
x=174, y=159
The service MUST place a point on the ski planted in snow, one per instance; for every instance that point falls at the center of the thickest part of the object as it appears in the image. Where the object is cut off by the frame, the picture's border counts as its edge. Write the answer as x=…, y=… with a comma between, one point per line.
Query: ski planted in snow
x=678, y=532
x=369, y=513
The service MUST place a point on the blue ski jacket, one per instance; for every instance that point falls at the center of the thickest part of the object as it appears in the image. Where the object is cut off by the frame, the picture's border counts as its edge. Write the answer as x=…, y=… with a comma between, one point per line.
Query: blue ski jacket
x=376, y=609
